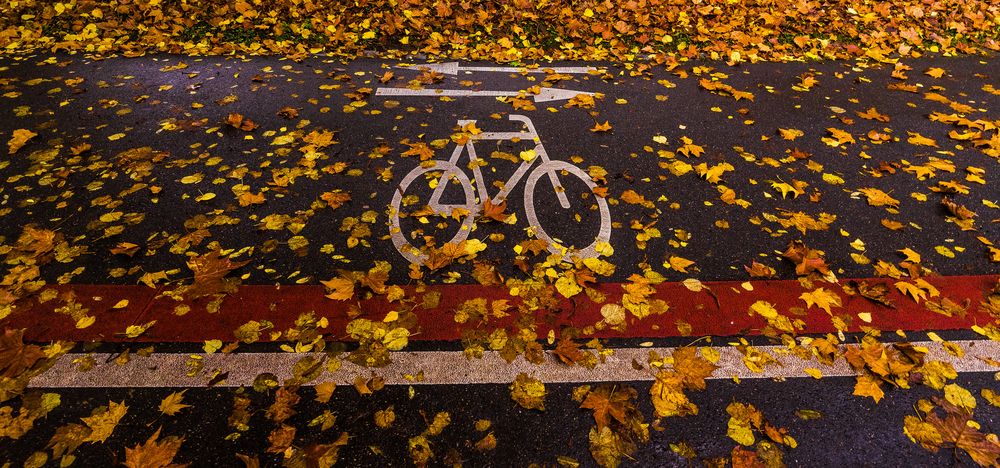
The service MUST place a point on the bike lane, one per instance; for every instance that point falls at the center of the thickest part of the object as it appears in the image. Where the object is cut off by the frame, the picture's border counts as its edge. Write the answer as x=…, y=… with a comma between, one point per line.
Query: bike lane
x=677, y=188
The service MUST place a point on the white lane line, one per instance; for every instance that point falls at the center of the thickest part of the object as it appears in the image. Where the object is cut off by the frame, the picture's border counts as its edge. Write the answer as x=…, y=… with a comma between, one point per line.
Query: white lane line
x=452, y=68
x=452, y=367
x=544, y=95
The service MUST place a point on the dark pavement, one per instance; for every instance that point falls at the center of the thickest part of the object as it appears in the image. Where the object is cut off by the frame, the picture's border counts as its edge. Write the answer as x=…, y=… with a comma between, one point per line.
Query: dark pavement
x=159, y=168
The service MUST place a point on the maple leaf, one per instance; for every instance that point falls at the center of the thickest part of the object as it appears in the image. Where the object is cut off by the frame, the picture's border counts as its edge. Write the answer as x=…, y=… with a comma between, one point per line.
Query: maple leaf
x=667, y=395
x=822, y=298
x=495, y=212
x=920, y=140
x=568, y=351
x=601, y=127
x=873, y=114
x=840, y=137
x=877, y=197
x=210, y=272
x=15, y=356
x=679, y=264
x=911, y=290
x=956, y=431
x=692, y=368
x=18, y=139
x=173, y=403
x=325, y=455
x=790, y=133
x=806, y=260
x=154, y=453
x=249, y=198
x=103, y=420
x=335, y=199
x=688, y=148
x=759, y=270
x=869, y=386
x=608, y=400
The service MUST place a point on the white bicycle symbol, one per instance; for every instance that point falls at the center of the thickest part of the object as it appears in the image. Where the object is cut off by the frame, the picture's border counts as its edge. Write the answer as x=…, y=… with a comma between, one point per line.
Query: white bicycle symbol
x=451, y=172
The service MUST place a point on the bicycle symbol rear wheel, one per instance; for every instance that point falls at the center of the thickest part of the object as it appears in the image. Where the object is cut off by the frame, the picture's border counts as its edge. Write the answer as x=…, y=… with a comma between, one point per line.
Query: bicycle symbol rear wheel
x=556, y=167
x=449, y=173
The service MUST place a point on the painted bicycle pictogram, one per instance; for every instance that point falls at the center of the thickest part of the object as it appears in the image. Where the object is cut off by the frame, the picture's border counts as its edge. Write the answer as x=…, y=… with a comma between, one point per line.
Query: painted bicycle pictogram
x=451, y=172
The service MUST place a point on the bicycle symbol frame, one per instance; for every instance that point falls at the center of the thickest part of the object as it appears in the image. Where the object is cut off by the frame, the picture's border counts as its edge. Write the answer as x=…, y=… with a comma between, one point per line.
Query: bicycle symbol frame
x=451, y=171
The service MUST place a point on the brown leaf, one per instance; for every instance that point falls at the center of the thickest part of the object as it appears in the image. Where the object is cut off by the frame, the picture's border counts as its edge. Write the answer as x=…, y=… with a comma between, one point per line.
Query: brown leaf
x=240, y=122
x=806, y=260
x=609, y=401
x=210, y=272
x=15, y=356
x=495, y=212
x=153, y=453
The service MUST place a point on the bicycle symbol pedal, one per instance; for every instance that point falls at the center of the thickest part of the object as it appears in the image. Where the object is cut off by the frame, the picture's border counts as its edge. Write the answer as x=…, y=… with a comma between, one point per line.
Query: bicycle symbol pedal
x=472, y=207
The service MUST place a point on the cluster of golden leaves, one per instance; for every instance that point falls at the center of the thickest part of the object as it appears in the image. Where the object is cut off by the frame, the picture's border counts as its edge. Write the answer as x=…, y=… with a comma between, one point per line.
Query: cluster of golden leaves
x=507, y=31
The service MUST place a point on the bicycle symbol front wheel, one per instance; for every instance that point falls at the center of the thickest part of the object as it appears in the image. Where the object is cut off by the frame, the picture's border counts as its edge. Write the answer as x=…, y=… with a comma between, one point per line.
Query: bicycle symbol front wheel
x=449, y=173
x=552, y=169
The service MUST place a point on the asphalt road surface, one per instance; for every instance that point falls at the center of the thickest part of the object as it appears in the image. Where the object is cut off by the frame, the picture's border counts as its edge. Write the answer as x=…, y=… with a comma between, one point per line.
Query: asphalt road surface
x=301, y=169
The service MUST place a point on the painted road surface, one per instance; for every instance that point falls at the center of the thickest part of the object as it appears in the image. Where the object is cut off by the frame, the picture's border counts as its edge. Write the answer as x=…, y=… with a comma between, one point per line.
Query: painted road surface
x=297, y=250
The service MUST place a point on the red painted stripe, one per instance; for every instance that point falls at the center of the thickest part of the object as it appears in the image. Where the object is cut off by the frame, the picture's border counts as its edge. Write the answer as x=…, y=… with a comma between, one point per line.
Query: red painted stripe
x=282, y=304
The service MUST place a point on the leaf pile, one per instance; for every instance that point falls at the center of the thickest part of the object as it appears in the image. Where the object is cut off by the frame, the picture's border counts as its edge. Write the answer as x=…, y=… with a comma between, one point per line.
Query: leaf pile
x=509, y=31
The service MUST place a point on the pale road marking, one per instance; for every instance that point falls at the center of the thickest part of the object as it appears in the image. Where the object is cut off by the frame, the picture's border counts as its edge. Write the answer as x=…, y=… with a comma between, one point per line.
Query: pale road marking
x=450, y=168
x=544, y=95
x=452, y=68
x=450, y=368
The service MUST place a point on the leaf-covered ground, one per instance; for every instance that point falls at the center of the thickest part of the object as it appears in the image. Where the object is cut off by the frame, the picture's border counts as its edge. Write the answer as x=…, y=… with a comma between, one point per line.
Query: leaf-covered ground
x=200, y=265
x=509, y=31
x=162, y=210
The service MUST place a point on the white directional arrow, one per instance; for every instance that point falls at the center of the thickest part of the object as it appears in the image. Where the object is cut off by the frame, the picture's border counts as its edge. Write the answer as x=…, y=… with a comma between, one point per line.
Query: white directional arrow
x=452, y=68
x=545, y=95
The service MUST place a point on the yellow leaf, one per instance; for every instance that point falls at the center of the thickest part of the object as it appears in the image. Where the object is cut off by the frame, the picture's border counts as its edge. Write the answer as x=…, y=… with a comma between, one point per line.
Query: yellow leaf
x=567, y=286
x=790, y=133
x=103, y=420
x=19, y=138
x=528, y=392
x=911, y=290
x=868, y=386
x=911, y=256
x=935, y=72
x=193, y=178
x=212, y=346
x=920, y=140
x=116, y=136
x=528, y=155
x=324, y=391
x=342, y=289
x=959, y=397
x=814, y=373
x=991, y=397
x=121, y=304
x=85, y=321
x=679, y=263
x=877, y=197
x=822, y=298
x=396, y=339
x=133, y=331
x=173, y=403
x=601, y=127
x=385, y=418
x=740, y=432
